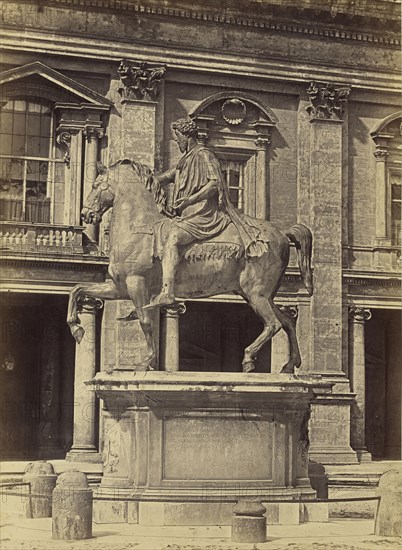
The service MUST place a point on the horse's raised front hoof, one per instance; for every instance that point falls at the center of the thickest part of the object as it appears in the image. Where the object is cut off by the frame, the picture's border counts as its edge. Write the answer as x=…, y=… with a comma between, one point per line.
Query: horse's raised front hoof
x=248, y=366
x=78, y=333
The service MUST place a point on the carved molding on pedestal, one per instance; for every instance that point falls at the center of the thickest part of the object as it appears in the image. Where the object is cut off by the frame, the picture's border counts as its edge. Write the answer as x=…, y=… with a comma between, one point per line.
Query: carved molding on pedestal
x=359, y=314
x=327, y=100
x=140, y=81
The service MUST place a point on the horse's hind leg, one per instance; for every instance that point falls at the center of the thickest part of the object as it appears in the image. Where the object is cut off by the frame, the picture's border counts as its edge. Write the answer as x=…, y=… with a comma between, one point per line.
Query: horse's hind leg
x=289, y=326
x=263, y=307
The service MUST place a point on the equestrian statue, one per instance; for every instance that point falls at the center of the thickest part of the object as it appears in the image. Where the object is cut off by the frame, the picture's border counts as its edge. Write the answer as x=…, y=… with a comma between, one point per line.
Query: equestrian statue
x=193, y=246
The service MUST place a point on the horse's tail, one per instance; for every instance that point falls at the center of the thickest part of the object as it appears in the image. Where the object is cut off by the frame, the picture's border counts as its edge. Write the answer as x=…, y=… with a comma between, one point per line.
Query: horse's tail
x=302, y=238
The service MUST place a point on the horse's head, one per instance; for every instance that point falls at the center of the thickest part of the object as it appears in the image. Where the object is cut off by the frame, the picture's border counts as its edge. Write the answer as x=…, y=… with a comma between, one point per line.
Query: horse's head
x=100, y=199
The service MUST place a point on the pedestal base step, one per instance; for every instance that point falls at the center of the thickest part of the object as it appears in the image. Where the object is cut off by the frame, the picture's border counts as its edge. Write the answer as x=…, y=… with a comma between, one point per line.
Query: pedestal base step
x=202, y=513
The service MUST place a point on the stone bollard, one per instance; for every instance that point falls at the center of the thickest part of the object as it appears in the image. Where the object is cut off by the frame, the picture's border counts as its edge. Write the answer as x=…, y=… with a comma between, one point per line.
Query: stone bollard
x=248, y=521
x=42, y=478
x=388, y=519
x=72, y=507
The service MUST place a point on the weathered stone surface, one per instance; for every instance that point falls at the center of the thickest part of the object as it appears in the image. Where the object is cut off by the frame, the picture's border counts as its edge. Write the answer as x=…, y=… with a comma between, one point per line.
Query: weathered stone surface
x=248, y=522
x=289, y=513
x=72, y=507
x=315, y=512
x=246, y=507
x=42, y=477
x=388, y=521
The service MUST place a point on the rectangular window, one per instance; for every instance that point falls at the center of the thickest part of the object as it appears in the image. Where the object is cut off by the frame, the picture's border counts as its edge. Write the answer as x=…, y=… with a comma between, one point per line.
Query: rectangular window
x=27, y=162
x=233, y=172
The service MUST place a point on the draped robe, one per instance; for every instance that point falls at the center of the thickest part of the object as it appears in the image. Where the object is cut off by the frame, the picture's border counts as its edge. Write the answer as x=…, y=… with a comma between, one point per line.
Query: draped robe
x=209, y=217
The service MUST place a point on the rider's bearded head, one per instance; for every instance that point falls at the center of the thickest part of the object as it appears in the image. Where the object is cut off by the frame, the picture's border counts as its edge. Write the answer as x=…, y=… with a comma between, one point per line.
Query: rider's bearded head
x=185, y=128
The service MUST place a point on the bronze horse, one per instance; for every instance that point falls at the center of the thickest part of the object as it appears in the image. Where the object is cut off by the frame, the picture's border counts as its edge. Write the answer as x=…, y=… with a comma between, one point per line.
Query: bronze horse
x=139, y=202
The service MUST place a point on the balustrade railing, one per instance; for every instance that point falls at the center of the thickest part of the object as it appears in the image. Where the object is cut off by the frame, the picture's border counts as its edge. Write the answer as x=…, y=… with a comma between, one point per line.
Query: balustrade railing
x=40, y=238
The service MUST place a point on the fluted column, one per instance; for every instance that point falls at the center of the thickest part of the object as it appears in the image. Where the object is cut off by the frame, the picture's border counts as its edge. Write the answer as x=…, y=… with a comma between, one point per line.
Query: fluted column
x=170, y=339
x=357, y=373
x=280, y=342
x=84, y=448
x=92, y=136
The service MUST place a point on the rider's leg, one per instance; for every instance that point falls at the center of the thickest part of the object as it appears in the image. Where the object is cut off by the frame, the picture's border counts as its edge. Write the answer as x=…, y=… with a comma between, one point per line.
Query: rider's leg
x=177, y=238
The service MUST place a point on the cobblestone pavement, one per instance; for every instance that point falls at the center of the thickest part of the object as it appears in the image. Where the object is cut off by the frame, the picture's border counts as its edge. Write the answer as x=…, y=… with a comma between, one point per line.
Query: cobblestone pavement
x=19, y=533
x=24, y=534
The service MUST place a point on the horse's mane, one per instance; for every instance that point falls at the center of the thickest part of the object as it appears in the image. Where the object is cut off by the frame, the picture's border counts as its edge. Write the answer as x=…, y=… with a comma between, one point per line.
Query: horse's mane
x=149, y=180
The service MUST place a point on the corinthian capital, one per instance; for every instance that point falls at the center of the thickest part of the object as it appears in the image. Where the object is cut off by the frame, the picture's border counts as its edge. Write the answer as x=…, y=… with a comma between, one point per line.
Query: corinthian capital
x=359, y=314
x=140, y=81
x=327, y=100
x=381, y=153
x=93, y=132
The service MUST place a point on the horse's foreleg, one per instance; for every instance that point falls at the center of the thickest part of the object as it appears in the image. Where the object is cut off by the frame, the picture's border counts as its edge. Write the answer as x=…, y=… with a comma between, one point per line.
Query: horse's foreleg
x=289, y=326
x=103, y=291
x=139, y=293
x=263, y=307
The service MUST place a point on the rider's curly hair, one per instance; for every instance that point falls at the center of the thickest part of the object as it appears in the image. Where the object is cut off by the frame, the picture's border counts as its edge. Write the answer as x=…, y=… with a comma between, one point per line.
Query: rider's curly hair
x=186, y=126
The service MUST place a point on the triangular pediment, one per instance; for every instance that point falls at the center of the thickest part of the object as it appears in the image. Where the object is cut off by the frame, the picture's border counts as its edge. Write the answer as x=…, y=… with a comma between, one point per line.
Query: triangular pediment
x=42, y=80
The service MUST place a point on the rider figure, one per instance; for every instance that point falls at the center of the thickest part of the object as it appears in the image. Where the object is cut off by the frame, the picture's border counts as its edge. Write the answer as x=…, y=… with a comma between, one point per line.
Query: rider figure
x=202, y=207
x=196, y=200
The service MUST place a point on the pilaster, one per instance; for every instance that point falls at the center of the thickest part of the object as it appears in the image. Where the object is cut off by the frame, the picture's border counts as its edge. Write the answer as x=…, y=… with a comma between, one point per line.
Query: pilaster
x=326, y=112
x=330, y=420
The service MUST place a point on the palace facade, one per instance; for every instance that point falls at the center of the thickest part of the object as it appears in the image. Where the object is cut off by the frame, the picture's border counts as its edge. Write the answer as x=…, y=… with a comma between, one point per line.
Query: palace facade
x=301, y=103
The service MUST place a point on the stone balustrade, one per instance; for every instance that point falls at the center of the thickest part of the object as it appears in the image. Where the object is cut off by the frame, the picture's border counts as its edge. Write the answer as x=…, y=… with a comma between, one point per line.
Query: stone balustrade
x=26, y=238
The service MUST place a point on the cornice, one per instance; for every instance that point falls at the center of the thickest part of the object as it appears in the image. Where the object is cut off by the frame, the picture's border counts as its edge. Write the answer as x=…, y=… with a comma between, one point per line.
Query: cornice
x=372, y=279
x=260, y=21
x=272, y=68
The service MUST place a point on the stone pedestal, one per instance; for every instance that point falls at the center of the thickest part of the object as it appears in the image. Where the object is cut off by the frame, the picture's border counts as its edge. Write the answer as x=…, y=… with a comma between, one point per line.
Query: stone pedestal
x=184, y=443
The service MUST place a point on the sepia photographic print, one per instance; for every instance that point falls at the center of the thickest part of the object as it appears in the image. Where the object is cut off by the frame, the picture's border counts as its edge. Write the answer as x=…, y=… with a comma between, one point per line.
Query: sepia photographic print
x=200, y=274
